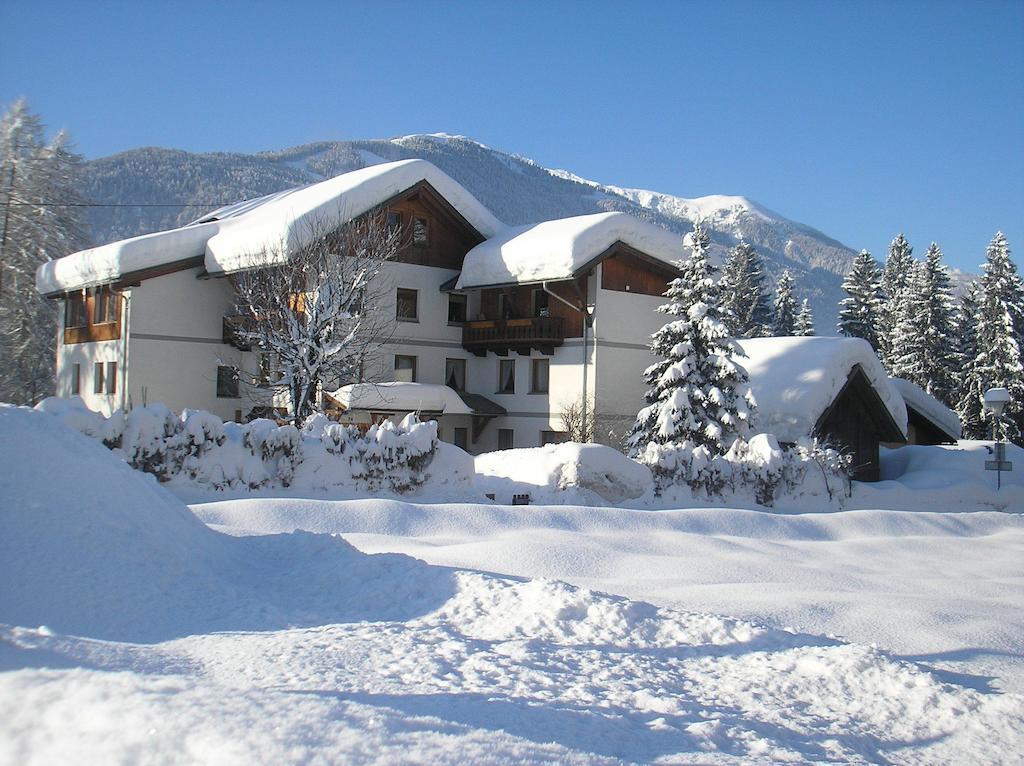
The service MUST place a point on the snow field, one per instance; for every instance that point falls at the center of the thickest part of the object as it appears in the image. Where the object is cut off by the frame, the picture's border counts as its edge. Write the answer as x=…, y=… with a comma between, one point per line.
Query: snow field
x=168, y=641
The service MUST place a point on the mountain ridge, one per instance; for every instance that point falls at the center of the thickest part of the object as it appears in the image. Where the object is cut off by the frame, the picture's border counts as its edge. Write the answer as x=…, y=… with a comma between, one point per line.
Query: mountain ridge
x=517, y=189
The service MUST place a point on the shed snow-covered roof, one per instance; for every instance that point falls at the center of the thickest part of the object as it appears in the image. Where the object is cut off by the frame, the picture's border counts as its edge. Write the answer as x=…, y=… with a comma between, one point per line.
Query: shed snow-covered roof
x=228, y=238
x=794, y=381
x=930, y=407
x=401, y=397
x=558, y=249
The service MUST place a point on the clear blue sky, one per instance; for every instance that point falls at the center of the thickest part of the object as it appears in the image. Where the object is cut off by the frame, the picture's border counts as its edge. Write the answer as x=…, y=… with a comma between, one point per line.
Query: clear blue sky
x=861, y=119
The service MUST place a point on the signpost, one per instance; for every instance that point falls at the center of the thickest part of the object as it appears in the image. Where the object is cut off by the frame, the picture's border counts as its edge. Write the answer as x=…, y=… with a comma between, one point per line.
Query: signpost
x=996, y=400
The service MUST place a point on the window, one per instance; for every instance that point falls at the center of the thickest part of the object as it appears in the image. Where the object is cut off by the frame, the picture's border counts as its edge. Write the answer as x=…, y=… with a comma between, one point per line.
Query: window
x=553, y=437
x=407, y=305
x=456, y=308
x=420, y=232
x=539, y=370
x=104, y=306
x=227, y=382
x=462, y=438
x=455, y=374
x=76, y=379
x=111, y=380
x=405, y=368
x=74, y=311
x=97, y=378
x=505, y=310
x=394, y=220
x=506, y=437
x=506, y=376
x=540, y=304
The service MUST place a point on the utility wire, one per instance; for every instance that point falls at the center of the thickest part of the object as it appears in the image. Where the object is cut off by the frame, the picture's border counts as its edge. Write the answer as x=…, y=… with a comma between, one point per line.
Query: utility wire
x=120, y=204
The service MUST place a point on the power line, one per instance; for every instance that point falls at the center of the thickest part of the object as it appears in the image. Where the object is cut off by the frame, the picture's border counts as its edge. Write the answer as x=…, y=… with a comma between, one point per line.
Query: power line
x=120, y=204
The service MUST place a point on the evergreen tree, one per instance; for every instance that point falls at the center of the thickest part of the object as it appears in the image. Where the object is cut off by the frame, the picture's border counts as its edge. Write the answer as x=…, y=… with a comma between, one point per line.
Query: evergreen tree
x=698, y=394
x=784, y=310
x=804, y=325
x=998, y=363
x=896, y=276
x=859, y=311
x=38, y=222
x=922, y=347
x=971, y=387
x=745, y=308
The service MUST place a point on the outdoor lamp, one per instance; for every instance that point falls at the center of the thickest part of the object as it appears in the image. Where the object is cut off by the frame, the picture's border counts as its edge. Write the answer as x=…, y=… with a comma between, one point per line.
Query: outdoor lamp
x=996, y=400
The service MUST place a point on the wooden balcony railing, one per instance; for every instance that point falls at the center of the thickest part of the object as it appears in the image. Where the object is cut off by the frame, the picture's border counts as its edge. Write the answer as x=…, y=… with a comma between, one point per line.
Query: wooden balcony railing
x=542, y=333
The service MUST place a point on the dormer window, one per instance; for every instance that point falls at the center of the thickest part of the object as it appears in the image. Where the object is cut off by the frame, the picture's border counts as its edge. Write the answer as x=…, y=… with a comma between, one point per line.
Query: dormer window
x=394, y=220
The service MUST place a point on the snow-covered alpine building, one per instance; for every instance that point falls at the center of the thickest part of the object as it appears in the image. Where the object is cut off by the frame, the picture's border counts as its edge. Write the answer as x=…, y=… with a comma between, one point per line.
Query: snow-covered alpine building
x=496, y=329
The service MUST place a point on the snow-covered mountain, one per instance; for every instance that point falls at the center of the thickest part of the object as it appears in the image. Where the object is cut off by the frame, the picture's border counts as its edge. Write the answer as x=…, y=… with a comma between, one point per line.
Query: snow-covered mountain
x=515, y=188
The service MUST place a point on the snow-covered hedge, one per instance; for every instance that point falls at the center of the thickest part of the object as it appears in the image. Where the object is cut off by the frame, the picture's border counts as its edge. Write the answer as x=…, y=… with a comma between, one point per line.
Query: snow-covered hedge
x=199, y=448
x=757, y=468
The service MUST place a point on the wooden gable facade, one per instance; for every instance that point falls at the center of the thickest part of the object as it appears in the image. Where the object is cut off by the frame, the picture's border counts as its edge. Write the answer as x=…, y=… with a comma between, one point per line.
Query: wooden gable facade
x=857, y=422
x=433, y=232
x=626, y=269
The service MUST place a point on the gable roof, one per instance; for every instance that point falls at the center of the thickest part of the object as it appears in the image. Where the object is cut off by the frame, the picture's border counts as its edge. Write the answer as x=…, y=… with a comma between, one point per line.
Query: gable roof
x=400, y=396
x=929, y=408
x=228, y=237
x=795, y=381
x=561, y=249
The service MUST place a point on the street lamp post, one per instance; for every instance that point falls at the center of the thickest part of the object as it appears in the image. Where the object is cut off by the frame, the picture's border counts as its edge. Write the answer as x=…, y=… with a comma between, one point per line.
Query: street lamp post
x=995, y=401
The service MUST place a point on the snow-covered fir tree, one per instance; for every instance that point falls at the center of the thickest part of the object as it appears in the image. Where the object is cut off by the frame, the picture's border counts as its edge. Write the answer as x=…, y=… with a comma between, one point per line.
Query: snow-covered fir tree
x=859, y=310
x=698, y=394
x=784, y=309
x=922, y=347
x=970, y=386
x=1000, y=318
x=39, y=221
x=895, y=279
x=745, y=304
x=804, y=325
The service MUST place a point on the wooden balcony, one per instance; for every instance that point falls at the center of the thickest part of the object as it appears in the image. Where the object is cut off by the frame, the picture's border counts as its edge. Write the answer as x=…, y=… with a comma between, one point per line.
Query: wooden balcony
x=519, y=335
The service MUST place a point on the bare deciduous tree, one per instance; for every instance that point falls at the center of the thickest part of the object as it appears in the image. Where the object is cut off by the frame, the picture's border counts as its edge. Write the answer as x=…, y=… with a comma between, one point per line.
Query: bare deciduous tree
x=316, y=313
x=578, y=419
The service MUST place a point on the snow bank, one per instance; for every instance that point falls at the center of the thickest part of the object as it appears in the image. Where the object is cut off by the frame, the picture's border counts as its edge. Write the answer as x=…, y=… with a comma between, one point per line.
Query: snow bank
x=228, y=238
x=563, y=473
x=99, y=549
x=795, y=380
x=197, y=448
x=558, y=249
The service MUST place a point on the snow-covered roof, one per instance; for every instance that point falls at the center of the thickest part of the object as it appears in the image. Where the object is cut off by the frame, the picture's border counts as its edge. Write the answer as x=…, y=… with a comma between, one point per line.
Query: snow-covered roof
x=558, y=249
x=229, y=237
x=401, y=397
x=794, y=381
x=930, y=407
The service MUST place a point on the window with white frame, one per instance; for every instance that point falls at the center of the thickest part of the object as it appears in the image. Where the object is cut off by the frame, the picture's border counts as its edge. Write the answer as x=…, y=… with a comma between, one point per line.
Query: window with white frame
x=506, y=376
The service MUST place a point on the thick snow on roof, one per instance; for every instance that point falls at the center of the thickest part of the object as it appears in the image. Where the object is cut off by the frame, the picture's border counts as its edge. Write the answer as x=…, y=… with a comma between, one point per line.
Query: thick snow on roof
x=229, y=237
x=795, y=380
x=929, y=406
x=401, y=397
x=558, y=249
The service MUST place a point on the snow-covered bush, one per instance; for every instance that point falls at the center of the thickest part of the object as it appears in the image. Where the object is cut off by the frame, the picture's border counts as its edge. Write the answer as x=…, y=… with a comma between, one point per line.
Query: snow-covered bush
x=759, y=467
x=199, y=448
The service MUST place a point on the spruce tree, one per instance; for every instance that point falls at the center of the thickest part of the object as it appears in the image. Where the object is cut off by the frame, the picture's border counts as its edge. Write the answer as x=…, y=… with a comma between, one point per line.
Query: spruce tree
x=895, y=279
x=784, y=310
x=745, y=307
x=39, y=221
x=804, y=325
x=698, y=394
x=922, y=347
x=859, y=311
x=970, y=387
x=1001, y=314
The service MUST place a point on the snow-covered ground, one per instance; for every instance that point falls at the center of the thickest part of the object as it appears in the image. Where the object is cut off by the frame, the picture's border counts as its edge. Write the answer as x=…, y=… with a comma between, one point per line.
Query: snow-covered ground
x=135, y=633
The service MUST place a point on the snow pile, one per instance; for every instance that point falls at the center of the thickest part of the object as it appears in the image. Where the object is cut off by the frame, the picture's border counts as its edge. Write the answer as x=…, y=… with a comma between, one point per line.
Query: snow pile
x=795, y=380
x=198, y=448
x=757, y=470
x=558, y=249
x=229, y=238
x=563, y=473
x=916, y=397
x=100, y=549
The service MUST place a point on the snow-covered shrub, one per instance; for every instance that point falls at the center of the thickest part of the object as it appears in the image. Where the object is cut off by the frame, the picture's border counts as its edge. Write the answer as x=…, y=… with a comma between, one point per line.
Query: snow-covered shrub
x=74, y=413
x=282, y=450
x=760, y=468
x=202, y=432
x=394, y=457
x=152, y=441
